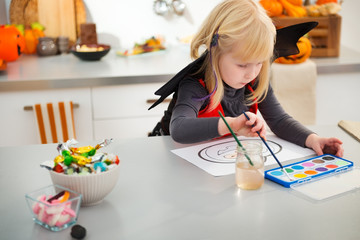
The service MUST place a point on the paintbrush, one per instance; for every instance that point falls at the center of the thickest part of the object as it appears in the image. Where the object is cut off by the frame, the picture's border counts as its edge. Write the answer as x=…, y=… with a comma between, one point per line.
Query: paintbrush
x=237, y=140
x=268, y=147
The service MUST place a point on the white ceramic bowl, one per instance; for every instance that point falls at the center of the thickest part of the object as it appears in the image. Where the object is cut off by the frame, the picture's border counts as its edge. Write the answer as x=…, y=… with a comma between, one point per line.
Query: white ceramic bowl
x=93, y=187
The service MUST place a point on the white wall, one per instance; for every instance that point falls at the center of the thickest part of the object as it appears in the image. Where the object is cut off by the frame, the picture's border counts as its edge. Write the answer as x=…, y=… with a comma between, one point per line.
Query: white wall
x=337, y=98
x=350, y=30
x=134, y=20
x=121, y=23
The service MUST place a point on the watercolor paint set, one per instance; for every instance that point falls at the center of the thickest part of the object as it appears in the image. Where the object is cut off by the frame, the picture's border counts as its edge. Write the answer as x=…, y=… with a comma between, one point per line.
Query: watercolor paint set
x=308, y=169
x=319, y=178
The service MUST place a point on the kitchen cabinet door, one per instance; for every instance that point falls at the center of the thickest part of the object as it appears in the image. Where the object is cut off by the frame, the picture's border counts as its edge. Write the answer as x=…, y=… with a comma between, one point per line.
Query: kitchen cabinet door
x=122, y=111
x=124, y=128
x=126, y=101
x=19, y=127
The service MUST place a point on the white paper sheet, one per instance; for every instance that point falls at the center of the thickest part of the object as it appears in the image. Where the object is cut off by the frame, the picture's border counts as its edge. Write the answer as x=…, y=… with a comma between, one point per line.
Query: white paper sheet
x=217, y=157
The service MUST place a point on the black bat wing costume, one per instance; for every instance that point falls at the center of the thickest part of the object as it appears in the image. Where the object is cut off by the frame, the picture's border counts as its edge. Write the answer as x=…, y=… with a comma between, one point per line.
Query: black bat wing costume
x=285, y=45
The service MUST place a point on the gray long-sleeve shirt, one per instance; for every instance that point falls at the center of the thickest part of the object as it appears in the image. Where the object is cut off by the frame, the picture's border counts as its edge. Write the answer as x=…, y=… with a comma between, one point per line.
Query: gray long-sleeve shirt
x=185, y=127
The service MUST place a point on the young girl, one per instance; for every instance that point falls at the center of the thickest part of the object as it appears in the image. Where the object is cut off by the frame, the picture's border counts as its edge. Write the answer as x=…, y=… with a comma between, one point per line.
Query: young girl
x=232, y=78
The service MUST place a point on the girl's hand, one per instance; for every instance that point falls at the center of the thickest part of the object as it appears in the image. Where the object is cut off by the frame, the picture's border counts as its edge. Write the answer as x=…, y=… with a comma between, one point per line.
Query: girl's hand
x=243, y=127
x=325, y=145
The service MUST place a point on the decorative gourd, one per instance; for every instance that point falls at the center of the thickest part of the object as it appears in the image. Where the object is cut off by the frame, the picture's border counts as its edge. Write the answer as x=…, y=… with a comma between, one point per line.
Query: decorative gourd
x=12, y=43
x=305, y=48
x=292, y=10
x=272, y=7
x=320, y=2
x=32, y=39
x=325, y=9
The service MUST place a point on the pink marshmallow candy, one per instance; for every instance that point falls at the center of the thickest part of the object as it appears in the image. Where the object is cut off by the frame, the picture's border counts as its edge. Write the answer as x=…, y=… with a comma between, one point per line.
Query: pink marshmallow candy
x=54, y=213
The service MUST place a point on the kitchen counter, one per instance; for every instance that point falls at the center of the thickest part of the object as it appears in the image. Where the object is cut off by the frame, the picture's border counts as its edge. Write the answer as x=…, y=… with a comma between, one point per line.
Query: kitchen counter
x=348, y=61
x=31, y=72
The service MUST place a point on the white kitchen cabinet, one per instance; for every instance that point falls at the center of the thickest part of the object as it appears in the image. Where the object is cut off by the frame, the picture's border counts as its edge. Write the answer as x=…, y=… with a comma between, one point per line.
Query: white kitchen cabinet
x=103, y=112
x=19, y=127
x=124, y=128
x=122, y=111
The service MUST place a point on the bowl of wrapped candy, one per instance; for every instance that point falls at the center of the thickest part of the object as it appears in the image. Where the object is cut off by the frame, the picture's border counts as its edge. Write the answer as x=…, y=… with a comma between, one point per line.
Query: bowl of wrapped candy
x=85, y=170
x=54, y=207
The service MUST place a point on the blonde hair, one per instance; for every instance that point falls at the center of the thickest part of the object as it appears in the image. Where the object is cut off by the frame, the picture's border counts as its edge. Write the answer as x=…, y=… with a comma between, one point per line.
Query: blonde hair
x=244, y=29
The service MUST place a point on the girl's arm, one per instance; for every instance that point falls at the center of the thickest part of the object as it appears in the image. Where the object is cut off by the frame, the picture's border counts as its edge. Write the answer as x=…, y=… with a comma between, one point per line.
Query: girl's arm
x=281, y=123
x=185, y=127
x=291, y=130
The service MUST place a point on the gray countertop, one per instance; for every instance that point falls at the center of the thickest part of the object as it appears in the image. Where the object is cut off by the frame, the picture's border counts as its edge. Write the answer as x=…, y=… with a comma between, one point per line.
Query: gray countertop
x=61, y=71
x=31, y=72
x=162, y=196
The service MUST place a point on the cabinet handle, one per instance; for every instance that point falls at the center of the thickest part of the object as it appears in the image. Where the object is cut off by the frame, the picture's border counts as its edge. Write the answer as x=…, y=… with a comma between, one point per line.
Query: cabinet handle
x=30, y=108
x=151, y=101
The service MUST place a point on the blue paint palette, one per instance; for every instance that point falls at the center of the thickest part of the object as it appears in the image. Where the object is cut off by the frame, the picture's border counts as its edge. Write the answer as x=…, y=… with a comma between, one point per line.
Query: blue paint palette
x=309, y=169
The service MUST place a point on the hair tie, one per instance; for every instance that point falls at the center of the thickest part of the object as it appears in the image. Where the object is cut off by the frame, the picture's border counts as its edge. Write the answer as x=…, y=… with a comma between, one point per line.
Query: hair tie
x=214, y=40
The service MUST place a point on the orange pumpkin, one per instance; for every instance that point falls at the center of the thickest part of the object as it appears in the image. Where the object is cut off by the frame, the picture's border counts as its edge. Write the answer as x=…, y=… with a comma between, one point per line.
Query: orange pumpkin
x=32, y=39
x=12, y=43
x=319, y=2
x=273, y=7
x=304, y=46
x=293, y=10
x=296, y=2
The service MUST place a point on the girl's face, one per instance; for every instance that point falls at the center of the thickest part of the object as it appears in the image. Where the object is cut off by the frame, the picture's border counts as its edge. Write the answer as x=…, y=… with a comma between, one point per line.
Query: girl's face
x=235, y=73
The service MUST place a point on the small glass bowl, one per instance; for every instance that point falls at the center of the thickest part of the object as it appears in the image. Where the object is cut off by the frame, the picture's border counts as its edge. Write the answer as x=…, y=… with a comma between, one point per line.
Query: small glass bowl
x=57, y=215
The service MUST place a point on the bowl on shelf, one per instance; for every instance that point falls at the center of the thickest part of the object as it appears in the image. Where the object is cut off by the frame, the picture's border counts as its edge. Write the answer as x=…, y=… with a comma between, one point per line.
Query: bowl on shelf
x=93, y=187
x=90, y=52
x=54, y=207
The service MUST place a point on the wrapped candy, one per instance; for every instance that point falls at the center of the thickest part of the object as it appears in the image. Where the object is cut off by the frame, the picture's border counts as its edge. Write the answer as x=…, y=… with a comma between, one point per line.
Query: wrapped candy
x=82, y=160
